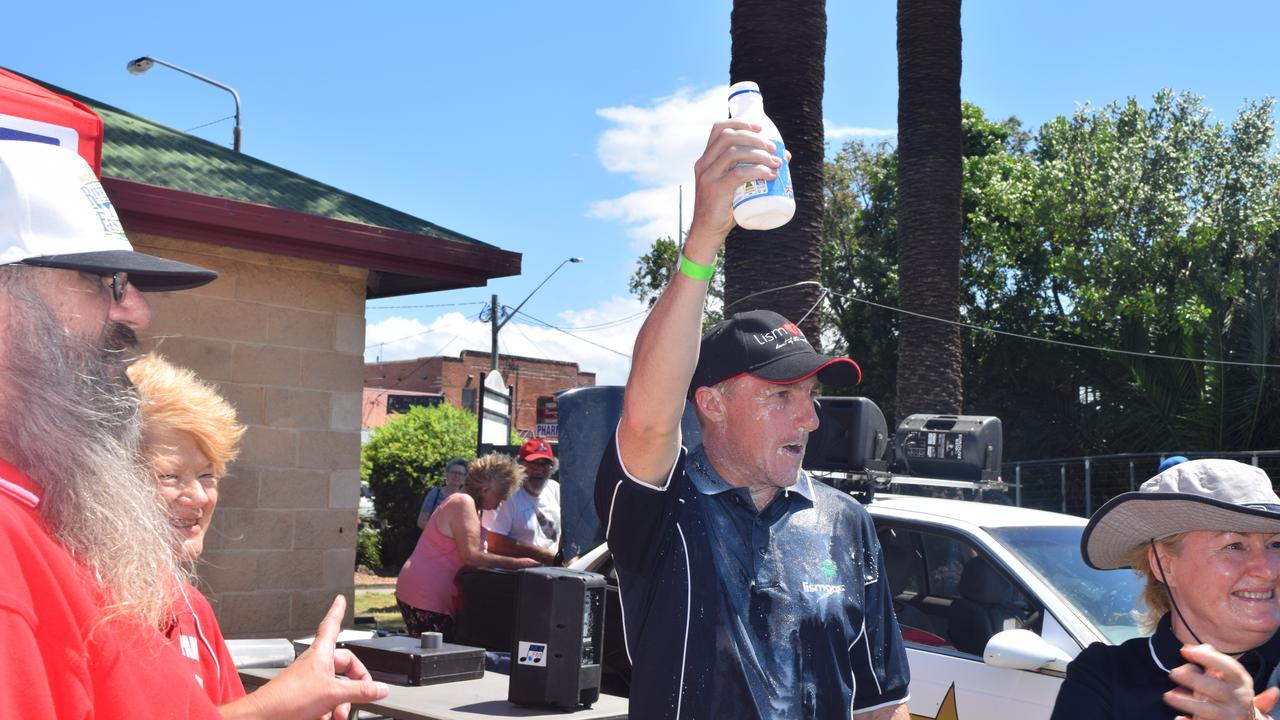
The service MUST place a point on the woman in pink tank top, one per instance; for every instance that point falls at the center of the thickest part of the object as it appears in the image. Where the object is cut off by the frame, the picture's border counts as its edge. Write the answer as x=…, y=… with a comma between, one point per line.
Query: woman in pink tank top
x=426, y=590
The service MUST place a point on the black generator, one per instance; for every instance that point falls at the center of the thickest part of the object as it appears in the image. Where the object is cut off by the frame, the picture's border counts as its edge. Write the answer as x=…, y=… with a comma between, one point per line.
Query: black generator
x=559, y=635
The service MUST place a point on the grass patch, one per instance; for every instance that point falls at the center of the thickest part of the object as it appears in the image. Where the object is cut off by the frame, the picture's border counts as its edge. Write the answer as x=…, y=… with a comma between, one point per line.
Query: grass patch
x=381, y=606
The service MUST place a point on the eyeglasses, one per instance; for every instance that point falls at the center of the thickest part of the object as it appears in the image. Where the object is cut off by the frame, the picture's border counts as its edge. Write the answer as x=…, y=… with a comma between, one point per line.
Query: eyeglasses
x=119, y=284
x=208, y=481
x=119, y=281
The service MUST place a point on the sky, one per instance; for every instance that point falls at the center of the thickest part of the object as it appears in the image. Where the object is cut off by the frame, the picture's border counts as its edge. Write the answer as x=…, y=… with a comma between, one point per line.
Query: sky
x=564, y=129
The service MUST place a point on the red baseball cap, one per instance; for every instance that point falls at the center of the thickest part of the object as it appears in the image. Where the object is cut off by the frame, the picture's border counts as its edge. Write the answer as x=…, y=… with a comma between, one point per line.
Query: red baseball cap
x=536, y=449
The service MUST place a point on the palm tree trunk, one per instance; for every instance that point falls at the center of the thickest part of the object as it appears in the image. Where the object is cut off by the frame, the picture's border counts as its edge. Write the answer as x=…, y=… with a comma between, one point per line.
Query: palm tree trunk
x=782, y=46
x=930, y=173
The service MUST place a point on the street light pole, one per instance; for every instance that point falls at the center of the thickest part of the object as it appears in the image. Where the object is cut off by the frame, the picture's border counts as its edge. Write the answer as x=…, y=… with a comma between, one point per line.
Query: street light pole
x=497, y=324
x=145, y=63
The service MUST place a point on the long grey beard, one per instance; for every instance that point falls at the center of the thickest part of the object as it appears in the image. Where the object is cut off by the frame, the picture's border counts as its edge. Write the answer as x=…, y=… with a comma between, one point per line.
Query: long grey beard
x=74, y=428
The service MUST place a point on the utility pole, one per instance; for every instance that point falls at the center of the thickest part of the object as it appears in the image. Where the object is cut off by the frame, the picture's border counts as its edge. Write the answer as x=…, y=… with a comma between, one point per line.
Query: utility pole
x=496, y=323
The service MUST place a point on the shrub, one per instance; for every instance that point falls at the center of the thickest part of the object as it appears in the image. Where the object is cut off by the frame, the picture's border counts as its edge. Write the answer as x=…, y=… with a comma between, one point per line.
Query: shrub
x=403, y=460
x=368, y=549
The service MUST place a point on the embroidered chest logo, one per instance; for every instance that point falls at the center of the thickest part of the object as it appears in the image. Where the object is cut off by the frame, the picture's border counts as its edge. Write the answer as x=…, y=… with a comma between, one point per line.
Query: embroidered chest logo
x=828, y=571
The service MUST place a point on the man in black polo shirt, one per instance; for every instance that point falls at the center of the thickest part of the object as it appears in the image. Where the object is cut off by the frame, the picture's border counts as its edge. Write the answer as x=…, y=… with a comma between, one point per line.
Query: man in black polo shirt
x=748, y=590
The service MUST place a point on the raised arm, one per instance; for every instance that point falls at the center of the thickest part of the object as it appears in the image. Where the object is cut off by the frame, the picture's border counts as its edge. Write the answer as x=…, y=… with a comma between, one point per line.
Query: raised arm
x=666, y=350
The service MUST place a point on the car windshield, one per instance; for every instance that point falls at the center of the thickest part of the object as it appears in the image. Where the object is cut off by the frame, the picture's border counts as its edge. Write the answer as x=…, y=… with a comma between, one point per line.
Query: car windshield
x=1106, y=598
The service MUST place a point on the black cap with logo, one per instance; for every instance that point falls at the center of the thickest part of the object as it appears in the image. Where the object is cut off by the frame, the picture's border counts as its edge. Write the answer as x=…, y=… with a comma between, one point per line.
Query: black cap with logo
x=765, y=345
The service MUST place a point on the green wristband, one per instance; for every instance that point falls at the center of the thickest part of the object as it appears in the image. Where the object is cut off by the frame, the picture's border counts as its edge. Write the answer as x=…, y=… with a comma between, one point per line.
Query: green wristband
x=696, y=271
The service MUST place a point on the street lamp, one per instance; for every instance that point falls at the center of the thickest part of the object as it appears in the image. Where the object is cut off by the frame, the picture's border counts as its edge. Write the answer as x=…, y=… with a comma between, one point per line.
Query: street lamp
x=497, y=324
x=145, y=63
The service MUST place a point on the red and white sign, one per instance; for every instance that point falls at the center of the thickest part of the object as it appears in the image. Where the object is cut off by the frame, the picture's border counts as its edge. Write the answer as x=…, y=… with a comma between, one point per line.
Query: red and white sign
x=31, y=112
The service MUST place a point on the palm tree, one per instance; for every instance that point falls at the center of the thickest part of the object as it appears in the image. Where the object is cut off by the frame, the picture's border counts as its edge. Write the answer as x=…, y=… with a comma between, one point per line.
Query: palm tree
x=930, y=220
x=782, y=47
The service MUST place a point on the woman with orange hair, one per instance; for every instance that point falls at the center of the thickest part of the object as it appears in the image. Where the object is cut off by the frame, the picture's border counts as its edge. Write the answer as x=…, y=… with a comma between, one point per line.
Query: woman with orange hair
x=190, y=434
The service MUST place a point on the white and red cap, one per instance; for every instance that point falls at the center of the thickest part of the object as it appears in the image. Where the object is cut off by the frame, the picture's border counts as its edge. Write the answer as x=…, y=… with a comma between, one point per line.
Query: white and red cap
x=55, y=213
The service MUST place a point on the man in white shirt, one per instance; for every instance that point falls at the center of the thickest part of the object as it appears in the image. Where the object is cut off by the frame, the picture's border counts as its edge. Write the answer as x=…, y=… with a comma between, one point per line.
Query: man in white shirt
x=527, y=524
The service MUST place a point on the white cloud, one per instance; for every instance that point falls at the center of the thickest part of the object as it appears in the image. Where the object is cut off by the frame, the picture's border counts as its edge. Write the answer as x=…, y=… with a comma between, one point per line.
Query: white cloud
x=657, y=145
x=836, y=132
x=606, y=353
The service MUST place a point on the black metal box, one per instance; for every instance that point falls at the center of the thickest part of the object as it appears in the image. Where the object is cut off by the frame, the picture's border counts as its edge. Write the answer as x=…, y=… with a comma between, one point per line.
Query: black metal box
x=404, y=656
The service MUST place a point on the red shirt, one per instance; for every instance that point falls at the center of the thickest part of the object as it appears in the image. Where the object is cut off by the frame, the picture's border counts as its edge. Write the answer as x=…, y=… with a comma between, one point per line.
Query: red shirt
x=194, y=631
x=58, y=659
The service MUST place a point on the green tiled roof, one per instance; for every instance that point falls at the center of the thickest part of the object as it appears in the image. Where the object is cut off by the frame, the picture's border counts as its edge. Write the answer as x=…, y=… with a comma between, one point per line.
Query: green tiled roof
x=138, y=149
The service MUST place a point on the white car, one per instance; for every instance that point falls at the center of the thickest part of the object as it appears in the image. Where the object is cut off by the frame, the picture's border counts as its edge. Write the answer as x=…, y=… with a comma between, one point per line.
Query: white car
x=993, y=601
x=365, y=509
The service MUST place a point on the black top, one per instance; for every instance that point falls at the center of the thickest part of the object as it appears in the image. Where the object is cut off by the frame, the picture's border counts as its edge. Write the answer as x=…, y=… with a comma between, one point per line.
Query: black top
x=730, y=613
x=1128, y=681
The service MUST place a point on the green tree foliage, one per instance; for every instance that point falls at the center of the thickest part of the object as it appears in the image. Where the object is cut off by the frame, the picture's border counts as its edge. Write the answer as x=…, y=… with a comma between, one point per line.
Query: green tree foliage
x=403, y=460
x=653, y=272
x=1151, y=230
x=368, y=547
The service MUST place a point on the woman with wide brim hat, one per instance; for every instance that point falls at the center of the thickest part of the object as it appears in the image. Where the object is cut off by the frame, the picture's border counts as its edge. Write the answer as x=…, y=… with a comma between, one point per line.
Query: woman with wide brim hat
x=1205, y=535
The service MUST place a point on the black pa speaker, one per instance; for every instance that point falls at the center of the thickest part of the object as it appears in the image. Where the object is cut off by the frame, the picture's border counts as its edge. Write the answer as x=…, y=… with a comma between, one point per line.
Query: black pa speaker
x=851, y=433
x=951, y=447
x=559, y=633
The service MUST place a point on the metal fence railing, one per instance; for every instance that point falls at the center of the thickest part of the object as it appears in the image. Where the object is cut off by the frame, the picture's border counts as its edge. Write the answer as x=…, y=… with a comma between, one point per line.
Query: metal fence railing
x=1079, y=485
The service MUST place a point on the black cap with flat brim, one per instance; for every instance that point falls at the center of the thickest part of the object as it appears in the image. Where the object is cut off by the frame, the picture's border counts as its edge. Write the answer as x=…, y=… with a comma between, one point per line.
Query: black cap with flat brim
x=148, y=273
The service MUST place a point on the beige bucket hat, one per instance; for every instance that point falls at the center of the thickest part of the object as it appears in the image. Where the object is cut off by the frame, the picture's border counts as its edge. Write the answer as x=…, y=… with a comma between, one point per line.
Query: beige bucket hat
x=1219, y=495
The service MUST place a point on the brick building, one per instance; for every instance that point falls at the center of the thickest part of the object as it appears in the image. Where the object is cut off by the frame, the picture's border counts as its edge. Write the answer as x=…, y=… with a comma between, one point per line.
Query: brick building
x=534, y=382
x=378, y=403
x=281, y=335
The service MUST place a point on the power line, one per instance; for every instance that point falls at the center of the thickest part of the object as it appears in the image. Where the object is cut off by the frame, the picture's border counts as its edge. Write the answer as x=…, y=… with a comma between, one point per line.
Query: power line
x=415, y=307
x=566, y=332
x=1050, y=341
x=611, y=323
x=393, y=342
x=211, y=122
x=531, y=342
x=404, y=377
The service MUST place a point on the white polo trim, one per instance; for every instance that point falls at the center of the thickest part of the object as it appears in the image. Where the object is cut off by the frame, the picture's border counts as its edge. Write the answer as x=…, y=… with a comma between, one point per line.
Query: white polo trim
x=19, y=493
x=217, y=668
x=688, y=611
x=903, y=701
x=1155, y=658
x=670, y=473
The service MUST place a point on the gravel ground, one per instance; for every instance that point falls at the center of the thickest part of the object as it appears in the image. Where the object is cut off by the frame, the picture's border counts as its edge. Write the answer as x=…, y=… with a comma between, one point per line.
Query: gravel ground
x=369, y=580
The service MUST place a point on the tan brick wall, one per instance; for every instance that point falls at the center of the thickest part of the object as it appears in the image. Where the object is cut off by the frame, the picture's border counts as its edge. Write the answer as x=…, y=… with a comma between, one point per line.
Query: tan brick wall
x=531, y=378
x=283, y=339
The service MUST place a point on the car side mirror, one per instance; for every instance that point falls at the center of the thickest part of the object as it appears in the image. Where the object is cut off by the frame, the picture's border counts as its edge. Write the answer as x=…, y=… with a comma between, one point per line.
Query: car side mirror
x=1023, y=650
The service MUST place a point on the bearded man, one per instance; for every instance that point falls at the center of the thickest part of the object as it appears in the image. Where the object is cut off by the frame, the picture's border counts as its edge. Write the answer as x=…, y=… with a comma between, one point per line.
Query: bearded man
x=527, y=524
x=86, y=547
